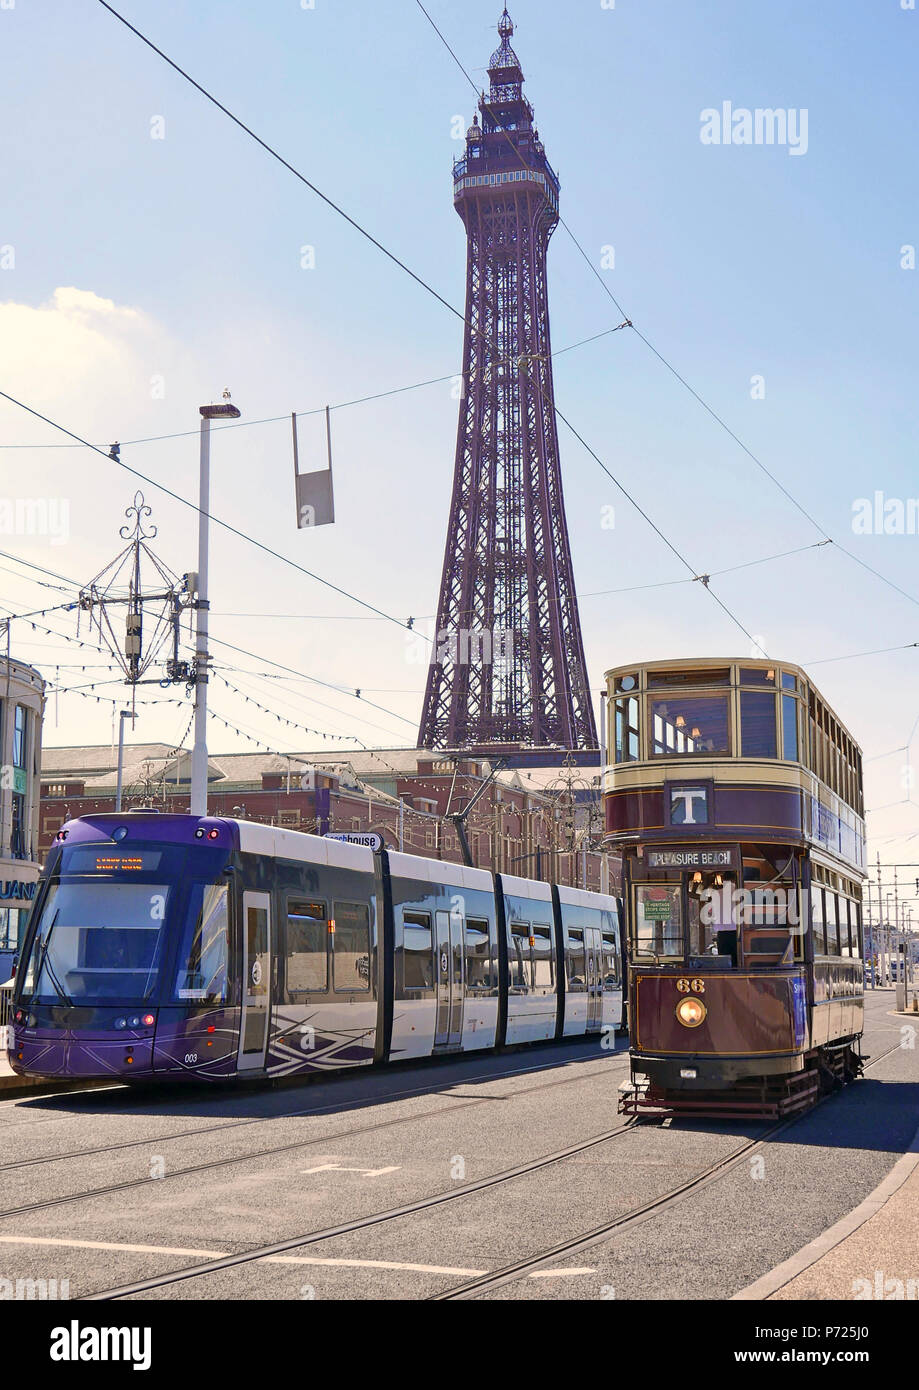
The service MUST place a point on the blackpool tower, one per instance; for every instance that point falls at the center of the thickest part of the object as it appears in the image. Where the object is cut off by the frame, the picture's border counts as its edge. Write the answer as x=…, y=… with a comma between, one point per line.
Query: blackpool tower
x=508, y=662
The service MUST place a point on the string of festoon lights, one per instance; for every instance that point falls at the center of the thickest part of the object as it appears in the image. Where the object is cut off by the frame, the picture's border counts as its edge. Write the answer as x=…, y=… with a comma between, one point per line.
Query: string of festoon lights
x=281, y=718
x=250, y=738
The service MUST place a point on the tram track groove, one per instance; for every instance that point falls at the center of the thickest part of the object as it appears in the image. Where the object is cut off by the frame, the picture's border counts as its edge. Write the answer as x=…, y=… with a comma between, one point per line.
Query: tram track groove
x=212, y=1164
x=508, y=1273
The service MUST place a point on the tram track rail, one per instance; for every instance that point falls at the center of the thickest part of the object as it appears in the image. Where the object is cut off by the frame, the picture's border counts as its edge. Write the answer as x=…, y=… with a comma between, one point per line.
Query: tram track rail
x=508, y=1273
x=521, y=1268
x=363, y=1223
x=274, y=1150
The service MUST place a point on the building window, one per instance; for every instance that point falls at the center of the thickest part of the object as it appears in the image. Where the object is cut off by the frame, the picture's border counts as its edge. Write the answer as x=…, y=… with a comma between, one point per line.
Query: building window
x=10, y=918
x=20, y=730
x=18, y=830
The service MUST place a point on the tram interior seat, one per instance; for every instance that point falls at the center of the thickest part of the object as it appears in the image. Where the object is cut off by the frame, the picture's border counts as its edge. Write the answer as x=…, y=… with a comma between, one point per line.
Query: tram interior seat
x=768, y=946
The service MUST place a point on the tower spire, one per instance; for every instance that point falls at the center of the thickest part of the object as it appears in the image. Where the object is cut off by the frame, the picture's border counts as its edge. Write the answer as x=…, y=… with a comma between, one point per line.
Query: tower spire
x=508, y=663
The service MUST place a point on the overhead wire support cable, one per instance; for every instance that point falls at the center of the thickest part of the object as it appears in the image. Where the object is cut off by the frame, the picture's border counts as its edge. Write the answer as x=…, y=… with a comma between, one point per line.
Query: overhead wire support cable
x=225, y=525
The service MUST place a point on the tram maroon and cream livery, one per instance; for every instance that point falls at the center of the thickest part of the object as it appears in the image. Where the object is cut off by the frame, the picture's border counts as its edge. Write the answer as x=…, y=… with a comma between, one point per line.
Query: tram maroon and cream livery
x=173, y=946
x=734, y=795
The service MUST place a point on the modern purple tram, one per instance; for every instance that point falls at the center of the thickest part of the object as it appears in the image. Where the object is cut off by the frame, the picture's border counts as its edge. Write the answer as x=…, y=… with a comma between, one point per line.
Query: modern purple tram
x=175, y=946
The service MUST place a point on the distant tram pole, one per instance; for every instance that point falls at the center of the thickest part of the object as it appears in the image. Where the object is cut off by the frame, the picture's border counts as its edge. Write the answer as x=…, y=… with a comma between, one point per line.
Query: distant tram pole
x=224, y=411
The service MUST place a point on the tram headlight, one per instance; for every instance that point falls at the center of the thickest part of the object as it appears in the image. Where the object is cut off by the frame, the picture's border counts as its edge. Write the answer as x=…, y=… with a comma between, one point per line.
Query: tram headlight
x=121, y=1023
x=691, y=1012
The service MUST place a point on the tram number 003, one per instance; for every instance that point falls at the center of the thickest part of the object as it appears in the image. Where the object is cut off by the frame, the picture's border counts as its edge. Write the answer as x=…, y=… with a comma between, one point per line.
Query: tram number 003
x=191, y=1056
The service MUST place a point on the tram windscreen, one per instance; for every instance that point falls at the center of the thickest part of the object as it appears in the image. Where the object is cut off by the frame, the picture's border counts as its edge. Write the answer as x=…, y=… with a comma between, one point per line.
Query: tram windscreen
x=97, y=941
x=112, y=919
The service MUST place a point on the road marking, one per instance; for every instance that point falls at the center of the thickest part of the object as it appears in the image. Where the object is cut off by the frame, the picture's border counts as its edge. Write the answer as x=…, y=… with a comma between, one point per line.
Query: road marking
x=376, y=1264
x=107, y=1245
x=220, y=1254
x=338, y=1168
x=314, y=1260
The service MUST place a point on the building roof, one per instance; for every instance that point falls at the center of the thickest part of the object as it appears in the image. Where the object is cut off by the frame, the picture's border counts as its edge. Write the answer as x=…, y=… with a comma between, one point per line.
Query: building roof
x=360, y=771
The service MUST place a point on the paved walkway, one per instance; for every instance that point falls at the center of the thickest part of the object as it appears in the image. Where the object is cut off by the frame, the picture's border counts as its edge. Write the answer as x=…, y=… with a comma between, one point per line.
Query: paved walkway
x=870, y=1254
x=879, y=1260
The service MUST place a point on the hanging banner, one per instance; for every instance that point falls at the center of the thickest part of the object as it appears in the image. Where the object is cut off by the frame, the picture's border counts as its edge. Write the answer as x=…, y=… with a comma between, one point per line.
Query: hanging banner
x=315, y=495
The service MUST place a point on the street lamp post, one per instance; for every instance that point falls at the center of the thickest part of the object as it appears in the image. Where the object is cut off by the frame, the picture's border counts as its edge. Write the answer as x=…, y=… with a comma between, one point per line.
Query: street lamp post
x=224, y=411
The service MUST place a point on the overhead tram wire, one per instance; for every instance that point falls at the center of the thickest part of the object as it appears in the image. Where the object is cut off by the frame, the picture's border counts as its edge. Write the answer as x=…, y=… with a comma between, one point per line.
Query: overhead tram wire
x=391, y=256
x=669, y=365
x=254, y=656
x=317, y=410
x=225, y=525
x=339, y=689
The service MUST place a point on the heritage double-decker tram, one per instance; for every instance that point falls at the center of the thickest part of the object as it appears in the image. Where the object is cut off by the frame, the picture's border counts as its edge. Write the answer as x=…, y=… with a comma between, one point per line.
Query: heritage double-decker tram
x=734, y=794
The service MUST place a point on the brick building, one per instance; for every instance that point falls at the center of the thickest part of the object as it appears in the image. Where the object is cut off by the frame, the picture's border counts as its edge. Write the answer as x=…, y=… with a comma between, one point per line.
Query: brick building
x=535, y=823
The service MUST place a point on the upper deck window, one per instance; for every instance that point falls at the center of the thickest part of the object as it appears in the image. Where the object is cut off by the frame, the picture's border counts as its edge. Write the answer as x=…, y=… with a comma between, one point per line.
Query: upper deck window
x=627, y=734
x=669, y=680
x=756, y=675
x=757, y=724
x=789, y=728
x=697, y=726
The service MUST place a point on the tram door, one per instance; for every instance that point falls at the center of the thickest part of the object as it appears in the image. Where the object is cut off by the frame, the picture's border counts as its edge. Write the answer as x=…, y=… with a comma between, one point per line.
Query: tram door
x=256, y=981
x=593, y=950
x=449, y=1031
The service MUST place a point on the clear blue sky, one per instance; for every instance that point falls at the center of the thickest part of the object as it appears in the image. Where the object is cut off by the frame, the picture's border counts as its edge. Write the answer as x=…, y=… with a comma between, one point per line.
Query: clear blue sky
x=734, y=261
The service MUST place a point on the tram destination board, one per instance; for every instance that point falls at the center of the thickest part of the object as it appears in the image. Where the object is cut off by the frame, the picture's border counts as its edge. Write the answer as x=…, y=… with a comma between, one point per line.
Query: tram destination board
x=693, y=857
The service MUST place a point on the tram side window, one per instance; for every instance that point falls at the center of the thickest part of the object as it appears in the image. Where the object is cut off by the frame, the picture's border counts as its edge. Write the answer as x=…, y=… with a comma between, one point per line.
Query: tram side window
x=757, y=724
x=202, y=975
x=543, y=959
x=520, y=966
x=832, y=925
x=610, y=962
x=627, y=734
x=307, y=948
x=351, y=947
x=481, y=972
x=698, y=725
x=789, y=728
x=417, y=950
x=854, y=929
x=817, y=920
x=576, y=962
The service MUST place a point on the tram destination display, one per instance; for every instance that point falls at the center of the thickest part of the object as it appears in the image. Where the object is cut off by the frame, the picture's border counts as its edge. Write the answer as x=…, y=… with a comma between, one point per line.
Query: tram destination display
x=692, y=857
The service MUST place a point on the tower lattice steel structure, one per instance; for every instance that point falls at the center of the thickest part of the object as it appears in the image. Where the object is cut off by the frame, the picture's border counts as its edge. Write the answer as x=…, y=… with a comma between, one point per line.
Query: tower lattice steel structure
x=508, y=664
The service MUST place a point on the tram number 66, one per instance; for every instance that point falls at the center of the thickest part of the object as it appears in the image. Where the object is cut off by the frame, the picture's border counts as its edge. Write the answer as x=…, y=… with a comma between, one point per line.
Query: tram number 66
x=191, y=1056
